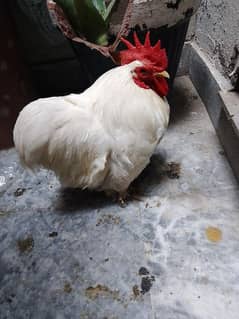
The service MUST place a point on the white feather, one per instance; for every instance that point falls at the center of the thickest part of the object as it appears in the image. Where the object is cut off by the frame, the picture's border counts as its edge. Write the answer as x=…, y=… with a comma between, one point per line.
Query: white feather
x=100, y=139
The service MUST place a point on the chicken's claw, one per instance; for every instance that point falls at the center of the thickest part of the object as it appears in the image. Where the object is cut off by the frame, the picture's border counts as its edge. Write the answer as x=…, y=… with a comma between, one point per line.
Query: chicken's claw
x=129, y=195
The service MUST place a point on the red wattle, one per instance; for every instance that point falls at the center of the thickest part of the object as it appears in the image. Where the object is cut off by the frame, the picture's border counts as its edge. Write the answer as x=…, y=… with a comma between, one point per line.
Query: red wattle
x=141, y=83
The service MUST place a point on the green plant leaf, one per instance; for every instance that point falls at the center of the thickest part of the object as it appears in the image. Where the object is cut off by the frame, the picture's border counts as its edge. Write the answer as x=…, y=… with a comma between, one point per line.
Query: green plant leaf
x=92, y=24
x=69, y=8
x=100, y=6
x=88, y=18
x=109, y=9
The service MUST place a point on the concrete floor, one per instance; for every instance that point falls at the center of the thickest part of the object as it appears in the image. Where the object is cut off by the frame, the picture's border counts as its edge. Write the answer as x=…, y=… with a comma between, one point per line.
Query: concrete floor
x=172, y=255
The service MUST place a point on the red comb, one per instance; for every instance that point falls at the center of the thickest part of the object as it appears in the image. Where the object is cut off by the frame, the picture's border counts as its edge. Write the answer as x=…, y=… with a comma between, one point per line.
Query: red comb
x=146, y=53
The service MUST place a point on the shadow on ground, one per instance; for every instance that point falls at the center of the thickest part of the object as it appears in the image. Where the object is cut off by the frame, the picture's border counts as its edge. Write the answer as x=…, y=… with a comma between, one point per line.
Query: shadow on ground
x=180, y=104
x=154, y=174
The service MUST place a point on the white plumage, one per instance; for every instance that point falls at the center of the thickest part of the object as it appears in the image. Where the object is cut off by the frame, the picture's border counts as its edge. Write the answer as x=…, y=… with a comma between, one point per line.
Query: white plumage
x=100, y=139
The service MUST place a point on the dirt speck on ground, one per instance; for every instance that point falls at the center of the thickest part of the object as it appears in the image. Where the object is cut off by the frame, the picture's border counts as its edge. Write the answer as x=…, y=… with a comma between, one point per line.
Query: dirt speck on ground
x=10, y=298
x=173, y=170
x=53, y=234
x=67, y=288
x=108, y=219
x=153, y=205
x=143, y=271
x=136, y=291
x=101, y=291
x=146, y=284
x=2, y=214
x=146, y=281
x=19, y=191
x=25, y=245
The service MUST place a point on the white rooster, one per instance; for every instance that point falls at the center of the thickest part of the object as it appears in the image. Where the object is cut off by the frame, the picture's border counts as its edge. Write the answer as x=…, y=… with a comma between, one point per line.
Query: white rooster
x=103, y=138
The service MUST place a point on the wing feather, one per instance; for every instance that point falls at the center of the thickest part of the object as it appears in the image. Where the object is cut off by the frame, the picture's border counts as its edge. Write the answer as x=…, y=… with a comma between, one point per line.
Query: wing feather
x=68, y=139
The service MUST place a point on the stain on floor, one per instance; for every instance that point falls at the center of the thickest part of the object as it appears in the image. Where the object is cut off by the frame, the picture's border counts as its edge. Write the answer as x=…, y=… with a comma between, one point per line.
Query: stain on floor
x=136, y=291
x=146, y=280
x=67, y=287
x=213, y=234
x=19, y=192
x=173, y=170
x=101, y=291
x=25, y=245
x=108, y=219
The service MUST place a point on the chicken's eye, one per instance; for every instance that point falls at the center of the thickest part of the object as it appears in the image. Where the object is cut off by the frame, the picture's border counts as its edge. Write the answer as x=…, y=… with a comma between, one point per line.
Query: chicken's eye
x=143, y=71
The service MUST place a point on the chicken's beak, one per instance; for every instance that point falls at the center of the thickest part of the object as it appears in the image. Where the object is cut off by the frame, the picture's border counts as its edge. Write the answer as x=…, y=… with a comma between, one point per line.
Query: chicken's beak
x=163, y=74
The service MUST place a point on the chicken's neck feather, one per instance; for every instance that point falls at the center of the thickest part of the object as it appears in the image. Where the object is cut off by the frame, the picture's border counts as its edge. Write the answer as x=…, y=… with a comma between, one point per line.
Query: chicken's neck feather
x=117, y=100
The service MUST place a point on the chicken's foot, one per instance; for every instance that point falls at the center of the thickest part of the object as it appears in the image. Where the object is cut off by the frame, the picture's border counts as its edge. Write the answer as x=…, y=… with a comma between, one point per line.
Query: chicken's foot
x=129, y=195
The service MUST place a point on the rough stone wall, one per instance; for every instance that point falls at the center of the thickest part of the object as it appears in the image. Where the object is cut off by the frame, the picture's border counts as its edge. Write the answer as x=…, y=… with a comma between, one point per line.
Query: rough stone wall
x=217, y=32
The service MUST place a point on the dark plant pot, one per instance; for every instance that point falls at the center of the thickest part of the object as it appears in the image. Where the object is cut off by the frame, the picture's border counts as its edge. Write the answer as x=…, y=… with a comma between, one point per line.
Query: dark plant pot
x=172, y=39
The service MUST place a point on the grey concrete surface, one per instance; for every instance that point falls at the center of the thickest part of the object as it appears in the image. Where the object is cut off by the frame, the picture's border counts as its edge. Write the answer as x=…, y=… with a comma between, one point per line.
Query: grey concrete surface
x=173, y=254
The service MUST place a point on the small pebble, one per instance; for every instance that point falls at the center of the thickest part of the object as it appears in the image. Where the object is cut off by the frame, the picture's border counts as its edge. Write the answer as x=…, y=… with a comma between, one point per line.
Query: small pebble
x=19, y=192
x=53, y=234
